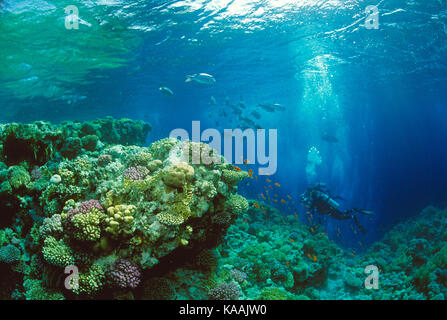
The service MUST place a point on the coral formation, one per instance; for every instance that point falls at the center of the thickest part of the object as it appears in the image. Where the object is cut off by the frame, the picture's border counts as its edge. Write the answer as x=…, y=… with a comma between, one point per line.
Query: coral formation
x=148, y=223
x=111, y=210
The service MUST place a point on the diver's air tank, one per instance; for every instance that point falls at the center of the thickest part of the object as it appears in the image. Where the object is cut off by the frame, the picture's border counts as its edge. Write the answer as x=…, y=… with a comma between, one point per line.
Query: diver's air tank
x=329, y=200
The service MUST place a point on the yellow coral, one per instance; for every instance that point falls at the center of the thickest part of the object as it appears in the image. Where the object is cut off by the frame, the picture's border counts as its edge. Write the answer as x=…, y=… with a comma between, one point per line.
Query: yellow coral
x=233, y=177
x=120, y=219
x=179, y=210
x=178, y=174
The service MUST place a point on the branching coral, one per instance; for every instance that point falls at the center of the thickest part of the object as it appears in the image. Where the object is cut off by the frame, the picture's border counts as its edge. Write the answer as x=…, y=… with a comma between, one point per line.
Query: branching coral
x=224, y=291
x=57, y=253
x=125, y=274
x=87, y=226
x=51, y=226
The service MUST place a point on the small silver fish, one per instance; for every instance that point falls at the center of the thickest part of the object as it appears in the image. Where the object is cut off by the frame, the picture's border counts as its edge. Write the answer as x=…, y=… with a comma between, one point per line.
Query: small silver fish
x=202, y=78
x=213, y=101
x=166, y=91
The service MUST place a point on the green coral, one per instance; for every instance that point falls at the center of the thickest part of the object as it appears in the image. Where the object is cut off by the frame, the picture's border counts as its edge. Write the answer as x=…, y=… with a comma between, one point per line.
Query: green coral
x=273, y=293
x=89, y=142
x=9, y=254
x=18, y=177
x=34, y=290
x=233, y=177
x=91, y=281
x=57, y=253
x=161, y=148
x=87, y=226
x=236, y=204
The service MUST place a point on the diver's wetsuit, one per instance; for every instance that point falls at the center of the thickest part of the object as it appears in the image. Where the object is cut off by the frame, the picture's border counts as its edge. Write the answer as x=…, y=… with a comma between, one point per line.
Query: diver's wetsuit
x=317, y=198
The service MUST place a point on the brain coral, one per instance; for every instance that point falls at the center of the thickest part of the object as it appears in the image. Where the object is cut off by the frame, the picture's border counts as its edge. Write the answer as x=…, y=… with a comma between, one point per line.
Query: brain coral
x=177, y=175
x=236, y=204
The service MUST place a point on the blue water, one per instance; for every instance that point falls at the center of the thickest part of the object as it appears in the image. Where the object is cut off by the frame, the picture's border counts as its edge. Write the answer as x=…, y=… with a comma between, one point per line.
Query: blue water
x=382, y=92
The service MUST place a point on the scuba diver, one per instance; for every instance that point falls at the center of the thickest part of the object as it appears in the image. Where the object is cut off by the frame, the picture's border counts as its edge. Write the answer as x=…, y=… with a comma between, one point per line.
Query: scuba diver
x=318, y=198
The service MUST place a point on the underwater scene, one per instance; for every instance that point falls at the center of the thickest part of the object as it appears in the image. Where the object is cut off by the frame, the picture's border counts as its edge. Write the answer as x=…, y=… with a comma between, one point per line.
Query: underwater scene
x=223, y=150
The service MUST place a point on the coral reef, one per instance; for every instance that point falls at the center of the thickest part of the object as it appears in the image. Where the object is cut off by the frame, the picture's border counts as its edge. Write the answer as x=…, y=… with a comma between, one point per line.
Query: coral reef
x=113, y=211
x=136, y=222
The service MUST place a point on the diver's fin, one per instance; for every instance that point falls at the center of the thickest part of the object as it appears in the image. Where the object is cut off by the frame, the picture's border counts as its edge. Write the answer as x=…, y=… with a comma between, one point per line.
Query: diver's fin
x=365, y=212
x=359, y=226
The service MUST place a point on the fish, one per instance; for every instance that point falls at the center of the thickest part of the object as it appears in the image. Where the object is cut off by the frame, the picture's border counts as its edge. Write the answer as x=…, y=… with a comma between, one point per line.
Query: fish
x=251, y=171
x=202, y=78
x=213, y=101
x=166, y=91
x=288, y=196
x=283, y=201
x=267, y=107
x=277, y=184
x=268, y=180
x=256, y=114
x=271, y=107
x=329, y=138
x=237, y=168
x=291, y=240
x=315, y=258
x=256, y=205
x=288, y=264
